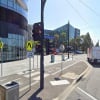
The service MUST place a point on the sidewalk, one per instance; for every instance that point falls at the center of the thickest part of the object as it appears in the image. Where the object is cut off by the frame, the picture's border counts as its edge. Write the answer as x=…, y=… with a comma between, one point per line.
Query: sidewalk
x=58, y=85
x=14, y=67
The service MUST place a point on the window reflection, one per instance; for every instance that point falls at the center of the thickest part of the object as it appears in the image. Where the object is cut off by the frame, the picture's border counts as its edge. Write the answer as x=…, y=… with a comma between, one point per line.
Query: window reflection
x=11, y=4
x=13, y=47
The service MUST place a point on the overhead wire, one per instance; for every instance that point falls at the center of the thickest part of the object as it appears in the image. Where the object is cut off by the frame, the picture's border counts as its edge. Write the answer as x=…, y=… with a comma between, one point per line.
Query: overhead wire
x=87, y=6
x=77, y=11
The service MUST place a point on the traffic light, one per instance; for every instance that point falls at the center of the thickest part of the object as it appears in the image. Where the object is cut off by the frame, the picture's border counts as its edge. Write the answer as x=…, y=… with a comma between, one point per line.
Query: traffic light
x=37, y=32
x=37, y=36
x=49, y=46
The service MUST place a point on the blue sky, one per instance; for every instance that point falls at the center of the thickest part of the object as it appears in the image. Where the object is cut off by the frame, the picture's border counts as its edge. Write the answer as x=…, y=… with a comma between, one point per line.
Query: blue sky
x=82, y=14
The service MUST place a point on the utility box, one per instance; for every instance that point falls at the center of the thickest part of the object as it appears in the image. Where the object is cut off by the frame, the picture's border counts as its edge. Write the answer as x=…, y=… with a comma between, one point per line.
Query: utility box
x=9, y=91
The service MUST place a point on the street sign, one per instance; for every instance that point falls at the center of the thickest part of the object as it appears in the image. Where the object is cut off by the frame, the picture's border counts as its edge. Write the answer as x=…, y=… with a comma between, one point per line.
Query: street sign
x=29, y=45
x=1, y=44
x=62, y=48
x=30, y=54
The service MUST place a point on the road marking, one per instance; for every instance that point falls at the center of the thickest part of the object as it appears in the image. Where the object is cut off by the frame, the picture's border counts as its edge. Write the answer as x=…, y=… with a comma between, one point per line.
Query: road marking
x=22, y=89
x=33, y=83
x=2, y=80
x=93, y=98
x=18, y=81
x=64, y=68
x=38, y=77
x=32, y=74
x=60, y=82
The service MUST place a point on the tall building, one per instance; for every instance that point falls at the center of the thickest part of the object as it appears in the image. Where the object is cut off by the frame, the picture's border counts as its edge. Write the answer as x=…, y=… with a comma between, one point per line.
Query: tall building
x=77, y=32
x=13, y=28
x=72, y=31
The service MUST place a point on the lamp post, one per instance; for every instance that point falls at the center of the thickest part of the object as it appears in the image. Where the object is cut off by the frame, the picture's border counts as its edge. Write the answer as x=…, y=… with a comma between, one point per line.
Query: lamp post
x=42, y=43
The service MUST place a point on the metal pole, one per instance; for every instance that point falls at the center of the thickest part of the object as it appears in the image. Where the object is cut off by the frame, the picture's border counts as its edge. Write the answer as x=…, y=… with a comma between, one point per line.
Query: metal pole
x=37, y=60
x=42, y=43
x=30, y=73
x=1, y=62
x=68, y=39
x=33, y=62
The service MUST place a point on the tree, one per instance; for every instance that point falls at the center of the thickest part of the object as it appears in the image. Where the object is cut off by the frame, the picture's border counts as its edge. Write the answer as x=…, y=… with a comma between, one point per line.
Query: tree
x=97, y=44
x=87, y=42
x=56, y=40
x=82, y=42
x=63, y=38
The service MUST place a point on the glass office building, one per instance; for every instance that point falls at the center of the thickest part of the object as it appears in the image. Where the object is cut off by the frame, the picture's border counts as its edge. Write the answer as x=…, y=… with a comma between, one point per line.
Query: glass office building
x=72, y=31
x=13, y=29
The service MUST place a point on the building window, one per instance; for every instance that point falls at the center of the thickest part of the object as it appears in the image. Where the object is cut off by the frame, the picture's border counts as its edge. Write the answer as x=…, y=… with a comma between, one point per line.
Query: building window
x=11, y=3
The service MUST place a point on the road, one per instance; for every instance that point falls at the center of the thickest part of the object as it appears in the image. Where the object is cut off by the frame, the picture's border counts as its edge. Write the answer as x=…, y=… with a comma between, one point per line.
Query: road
x=88, y=89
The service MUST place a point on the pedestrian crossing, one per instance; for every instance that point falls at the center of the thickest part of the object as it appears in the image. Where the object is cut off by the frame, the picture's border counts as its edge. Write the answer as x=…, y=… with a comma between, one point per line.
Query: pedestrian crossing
x=23, y=79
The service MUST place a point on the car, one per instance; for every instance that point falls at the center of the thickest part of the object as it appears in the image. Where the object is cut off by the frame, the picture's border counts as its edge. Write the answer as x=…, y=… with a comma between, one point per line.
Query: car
x=79, y=52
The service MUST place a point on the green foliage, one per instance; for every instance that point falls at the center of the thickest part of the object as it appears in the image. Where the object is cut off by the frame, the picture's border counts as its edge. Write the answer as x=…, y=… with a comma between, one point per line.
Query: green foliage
x=97, y=44
x=82, y=42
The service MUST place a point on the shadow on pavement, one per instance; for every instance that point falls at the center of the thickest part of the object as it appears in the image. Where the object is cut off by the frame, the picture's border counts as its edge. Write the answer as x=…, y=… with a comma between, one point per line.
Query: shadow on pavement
x=34, y=96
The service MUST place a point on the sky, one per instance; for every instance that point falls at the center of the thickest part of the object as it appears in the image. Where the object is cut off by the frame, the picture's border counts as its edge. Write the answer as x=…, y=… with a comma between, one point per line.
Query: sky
x=82, y=14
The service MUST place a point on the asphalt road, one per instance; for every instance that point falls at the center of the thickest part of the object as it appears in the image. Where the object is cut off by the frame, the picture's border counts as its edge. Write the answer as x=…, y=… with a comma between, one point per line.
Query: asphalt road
x=89, y=88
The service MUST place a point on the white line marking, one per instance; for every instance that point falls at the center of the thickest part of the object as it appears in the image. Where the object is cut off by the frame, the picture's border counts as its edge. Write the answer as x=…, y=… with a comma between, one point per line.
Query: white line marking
x=60, y=82
x=93, y=98
x=64, y=68
x=17, y=79
x=38, y=77
x=32, y=74
x=22, y=89
x=3, y=80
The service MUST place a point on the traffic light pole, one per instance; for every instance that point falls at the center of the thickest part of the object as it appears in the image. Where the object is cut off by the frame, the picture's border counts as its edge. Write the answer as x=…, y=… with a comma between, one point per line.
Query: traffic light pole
x=42, y=43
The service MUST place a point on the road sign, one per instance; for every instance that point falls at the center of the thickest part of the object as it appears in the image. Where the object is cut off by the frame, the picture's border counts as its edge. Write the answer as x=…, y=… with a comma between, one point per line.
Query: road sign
x=30, y=54
x=1, y=44
x=62, y=48
x=29, y=45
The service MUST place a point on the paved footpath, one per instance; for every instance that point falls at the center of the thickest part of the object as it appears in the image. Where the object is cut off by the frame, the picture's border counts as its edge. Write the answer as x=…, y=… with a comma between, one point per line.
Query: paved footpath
x=58, y=85
x=14, y=67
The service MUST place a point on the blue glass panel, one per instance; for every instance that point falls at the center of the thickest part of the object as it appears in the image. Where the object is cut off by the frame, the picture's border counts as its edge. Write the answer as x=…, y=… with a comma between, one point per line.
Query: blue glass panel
x=4, y=2
x=11, y=3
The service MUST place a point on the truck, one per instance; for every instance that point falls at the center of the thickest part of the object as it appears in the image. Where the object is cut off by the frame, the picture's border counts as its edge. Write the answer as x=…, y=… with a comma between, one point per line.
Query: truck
x=93, y=55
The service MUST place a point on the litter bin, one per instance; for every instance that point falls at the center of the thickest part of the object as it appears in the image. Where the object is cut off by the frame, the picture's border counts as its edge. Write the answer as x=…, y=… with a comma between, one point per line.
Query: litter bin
x=9, y=91
x=52, y=58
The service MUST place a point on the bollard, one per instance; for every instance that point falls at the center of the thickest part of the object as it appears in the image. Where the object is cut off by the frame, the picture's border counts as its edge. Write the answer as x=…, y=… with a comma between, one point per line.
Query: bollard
x=52, y=58
x=63, y=58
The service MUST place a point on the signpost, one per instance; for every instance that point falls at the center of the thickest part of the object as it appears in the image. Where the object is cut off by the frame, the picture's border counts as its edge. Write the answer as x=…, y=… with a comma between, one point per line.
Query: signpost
x=1, y=47
x=62, y=48
x=29, y=48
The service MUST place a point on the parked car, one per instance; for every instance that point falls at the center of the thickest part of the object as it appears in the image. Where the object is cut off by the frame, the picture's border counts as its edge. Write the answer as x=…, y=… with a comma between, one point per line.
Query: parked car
x=79, y=52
